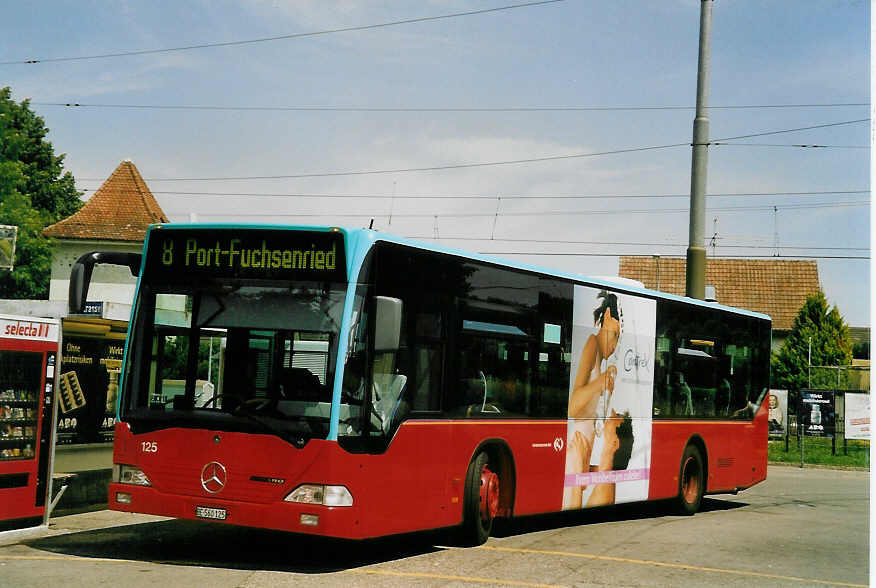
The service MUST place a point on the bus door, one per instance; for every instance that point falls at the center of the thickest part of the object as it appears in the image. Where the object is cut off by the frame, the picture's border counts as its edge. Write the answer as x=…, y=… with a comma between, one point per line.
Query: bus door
x=388, y=411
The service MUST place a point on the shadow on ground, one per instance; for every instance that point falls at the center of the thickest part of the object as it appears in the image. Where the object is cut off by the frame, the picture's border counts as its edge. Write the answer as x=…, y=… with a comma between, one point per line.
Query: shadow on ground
x=608, y=514
x=224, y=546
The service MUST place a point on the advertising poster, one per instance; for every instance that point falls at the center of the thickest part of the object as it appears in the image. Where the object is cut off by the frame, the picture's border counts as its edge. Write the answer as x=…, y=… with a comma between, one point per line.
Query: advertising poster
x=857, y=417
x=778, y=417
x=87, y=389
x=818, y=412
x=608, y=435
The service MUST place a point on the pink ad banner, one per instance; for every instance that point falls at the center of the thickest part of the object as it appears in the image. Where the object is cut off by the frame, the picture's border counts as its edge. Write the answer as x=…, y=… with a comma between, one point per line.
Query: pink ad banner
x=611, y=477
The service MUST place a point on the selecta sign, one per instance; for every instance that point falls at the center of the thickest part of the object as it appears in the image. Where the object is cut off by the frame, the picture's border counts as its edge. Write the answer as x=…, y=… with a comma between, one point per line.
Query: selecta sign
x=30, y=330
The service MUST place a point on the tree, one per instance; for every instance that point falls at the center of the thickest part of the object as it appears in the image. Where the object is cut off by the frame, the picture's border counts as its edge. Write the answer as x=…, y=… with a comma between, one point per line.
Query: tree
x=831, y=346
x=34, y=193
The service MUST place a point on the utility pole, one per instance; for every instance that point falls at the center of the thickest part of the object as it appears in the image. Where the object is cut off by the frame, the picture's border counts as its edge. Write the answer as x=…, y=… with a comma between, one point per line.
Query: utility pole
x=800, y=403
x=696, y=253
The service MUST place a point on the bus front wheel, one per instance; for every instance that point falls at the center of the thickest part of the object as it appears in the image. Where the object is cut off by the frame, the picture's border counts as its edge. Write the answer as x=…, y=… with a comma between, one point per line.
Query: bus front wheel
x=691, y=481
x=481, y=502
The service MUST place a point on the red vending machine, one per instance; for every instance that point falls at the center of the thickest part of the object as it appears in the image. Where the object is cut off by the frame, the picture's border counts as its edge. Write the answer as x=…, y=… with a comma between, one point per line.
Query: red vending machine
x=29, y=355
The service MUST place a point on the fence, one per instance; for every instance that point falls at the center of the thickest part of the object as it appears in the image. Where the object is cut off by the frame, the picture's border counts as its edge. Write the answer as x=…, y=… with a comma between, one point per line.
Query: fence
x=816, y=431
x=839, y=377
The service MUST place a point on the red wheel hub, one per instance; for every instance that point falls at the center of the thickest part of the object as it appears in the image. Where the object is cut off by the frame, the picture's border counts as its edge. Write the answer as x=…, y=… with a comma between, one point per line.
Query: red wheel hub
x=489, y=495
x=690, y=482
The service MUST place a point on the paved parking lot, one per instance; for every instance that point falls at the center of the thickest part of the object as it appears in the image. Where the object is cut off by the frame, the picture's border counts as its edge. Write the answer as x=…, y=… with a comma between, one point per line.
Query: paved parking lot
x=800, y=528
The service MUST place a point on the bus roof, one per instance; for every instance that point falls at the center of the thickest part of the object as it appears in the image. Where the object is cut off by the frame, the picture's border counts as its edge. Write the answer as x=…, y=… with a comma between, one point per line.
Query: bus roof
x=361, y=240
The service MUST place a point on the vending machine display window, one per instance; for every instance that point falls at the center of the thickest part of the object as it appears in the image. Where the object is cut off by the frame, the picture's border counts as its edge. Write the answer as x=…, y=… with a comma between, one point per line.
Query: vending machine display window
x=20, y=379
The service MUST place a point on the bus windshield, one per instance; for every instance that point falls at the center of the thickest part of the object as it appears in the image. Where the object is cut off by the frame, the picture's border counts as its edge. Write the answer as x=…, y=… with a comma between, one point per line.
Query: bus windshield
x=235, y=355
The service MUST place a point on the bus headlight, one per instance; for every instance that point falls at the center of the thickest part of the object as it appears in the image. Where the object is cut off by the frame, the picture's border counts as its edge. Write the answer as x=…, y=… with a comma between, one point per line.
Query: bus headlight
x=125, y=474
x=320, y=494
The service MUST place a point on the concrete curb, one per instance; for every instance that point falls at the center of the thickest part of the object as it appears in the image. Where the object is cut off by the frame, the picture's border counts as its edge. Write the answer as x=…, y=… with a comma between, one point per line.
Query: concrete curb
x=817, y=466
x=18, y=535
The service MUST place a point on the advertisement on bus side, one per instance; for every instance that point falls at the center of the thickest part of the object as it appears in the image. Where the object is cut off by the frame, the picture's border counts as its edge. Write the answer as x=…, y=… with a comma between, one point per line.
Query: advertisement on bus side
x=608, y=435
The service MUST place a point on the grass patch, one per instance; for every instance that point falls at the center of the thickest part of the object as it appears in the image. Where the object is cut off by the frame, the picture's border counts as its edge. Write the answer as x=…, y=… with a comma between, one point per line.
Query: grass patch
x=817, y=451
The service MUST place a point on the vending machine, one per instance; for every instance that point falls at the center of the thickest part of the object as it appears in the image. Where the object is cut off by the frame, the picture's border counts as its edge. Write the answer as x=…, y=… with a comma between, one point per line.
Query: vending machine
x=29, y=356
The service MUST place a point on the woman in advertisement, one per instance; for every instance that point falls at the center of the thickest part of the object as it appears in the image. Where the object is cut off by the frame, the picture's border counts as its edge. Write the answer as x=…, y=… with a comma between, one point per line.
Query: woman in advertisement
x=607, y=433
x=590, y=382
x=591, y=392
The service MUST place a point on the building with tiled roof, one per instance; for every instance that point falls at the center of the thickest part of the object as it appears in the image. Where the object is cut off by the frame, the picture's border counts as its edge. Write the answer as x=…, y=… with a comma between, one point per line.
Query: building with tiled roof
x=120, y=210
x=115, y=218
x=777, y=287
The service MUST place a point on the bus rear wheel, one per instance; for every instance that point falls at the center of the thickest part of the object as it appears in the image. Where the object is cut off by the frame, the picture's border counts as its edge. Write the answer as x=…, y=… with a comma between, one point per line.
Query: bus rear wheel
x=481, y=502
x=691, y=481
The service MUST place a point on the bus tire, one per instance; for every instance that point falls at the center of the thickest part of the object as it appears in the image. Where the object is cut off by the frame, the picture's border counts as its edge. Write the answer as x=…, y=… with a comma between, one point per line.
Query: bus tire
x=691, y=481
x=481, y=501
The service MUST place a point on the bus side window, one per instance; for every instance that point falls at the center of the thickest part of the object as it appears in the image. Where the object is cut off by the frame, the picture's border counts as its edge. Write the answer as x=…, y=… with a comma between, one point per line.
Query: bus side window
x=553, y=384
x=662, y=406
x=427, y=361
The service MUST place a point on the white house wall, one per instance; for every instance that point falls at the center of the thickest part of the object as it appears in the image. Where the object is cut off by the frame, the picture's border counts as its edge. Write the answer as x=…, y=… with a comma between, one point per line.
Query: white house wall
x=109, y=283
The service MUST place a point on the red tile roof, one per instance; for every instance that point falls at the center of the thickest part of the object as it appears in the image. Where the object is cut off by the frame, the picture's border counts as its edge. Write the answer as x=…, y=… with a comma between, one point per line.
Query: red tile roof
x=776, y=287
x=120, y=210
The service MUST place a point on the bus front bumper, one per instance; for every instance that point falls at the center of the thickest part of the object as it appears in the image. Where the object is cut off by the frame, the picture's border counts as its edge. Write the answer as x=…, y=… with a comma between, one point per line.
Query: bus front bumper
x=314, y=519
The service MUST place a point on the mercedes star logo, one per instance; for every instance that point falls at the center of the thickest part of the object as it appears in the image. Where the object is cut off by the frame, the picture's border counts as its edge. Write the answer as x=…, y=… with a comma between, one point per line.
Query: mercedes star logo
x=214, y=477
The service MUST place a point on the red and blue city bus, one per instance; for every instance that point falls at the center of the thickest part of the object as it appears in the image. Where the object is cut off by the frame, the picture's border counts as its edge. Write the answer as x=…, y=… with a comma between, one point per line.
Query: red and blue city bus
x=349, y=383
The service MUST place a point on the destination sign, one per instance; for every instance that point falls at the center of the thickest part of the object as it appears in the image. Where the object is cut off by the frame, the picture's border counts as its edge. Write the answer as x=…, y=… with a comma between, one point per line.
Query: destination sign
x=176, y=255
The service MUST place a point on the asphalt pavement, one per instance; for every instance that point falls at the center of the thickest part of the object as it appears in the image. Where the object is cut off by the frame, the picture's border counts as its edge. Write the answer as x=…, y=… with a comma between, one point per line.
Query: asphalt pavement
x=806, y=527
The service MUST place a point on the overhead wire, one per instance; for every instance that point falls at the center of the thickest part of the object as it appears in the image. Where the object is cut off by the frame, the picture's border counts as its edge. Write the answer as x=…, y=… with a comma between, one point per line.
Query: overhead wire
x=416, y=169
x=783, y=131
x=632, y=243
x=375, y=109
x=496, y=163
x=494, y=197
x=286, y=37
x=798, y=145
x=588, y=254
x=530, y=213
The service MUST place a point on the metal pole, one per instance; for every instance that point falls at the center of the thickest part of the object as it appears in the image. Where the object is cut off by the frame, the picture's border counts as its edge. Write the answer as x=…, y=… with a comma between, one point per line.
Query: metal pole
x=809, y=362
x=657, y=267
x=696, y=253
x=835, y=394
x=800, y=403
x=800, y=430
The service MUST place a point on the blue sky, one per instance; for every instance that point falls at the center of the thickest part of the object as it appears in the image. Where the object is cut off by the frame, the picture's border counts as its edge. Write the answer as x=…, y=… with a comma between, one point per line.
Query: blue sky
x=576, y=53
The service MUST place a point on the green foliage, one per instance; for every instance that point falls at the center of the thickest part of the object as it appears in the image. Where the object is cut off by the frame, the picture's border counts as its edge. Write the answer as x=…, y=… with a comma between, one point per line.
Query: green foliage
x=33, y=195
x=175, y=357
x=831, y=345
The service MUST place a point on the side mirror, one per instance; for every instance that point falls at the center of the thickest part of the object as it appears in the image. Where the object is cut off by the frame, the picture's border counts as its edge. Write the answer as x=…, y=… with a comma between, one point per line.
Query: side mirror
x=387, y=324
x=80, y=275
